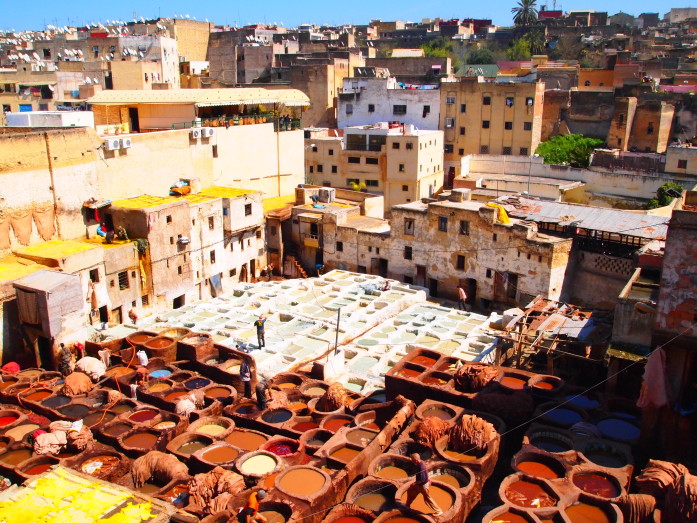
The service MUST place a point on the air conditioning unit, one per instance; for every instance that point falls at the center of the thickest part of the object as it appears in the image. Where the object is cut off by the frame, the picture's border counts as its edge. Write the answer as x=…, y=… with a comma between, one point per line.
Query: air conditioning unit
x=326, y=195
x=112, y=144
x=125, y=143
x=207, y=132
x=195, y=134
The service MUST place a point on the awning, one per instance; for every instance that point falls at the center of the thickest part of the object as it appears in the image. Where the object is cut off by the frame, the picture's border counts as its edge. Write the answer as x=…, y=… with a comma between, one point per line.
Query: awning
x=202, y=97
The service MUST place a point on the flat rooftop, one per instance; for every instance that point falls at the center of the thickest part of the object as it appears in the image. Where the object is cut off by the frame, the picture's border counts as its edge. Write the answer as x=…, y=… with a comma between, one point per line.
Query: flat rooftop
x=55, y=249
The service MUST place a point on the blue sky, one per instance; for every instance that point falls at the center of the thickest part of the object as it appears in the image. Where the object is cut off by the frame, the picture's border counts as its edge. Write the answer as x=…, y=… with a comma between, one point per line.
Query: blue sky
x=34, y=15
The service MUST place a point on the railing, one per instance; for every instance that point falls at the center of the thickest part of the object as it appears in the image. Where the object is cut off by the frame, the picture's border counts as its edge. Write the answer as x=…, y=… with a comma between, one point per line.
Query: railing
x=279, y=124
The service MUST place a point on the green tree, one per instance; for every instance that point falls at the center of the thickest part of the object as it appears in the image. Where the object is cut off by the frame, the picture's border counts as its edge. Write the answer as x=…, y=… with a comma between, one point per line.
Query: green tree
x=525, y=13
x=570, y=149
x=480, y=57
x=536, y=40
x=662, y=197
x=520, y=50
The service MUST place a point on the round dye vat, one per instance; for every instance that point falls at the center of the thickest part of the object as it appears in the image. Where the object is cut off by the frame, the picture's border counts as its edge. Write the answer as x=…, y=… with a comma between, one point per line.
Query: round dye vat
x=605, y=458
x=143, y=415
x=118, y=429
x=507, y=517
x=74, y=411
x=190, y=447
x=164, y=425
x=99, y=465
x=442, y=497
x=121, y=408
x=582, y=401
x=585, y=513
x=360, y=436
x=529, y=495
x=596, y=484
x=6, y=420
x=448, y=479
x=246, y=440
x=173, y=396
x=392, y=472
x=160, y=373
x=245, y=408
x=512, y=382
x=259, y=465
x=4, y=384
x=277, y=416
x=38, y=395
x=18, y=432
x=211, y=429
x=95, y=418
x=297, y=406
x=345, y=454
x=426, y=361
x=459, y=456
x=550, y=444
x=56, y=401
x=537, y=469
x=288, y=385
x=117, y=371
x=315, y=391
x=566, y=417
x=159, y=387
x=544, y=385
x=439, y=412
x=304, y=426
x=197, y=383
x=273, y=516
x=220, y=454
x=618, y=429
x=143, y=440
x=408, y=373
x=218, y=392
x=302, y=482
x=333, y=425
x=15, y=457
x=37, y=469
x=281, y=449
x=374, y=501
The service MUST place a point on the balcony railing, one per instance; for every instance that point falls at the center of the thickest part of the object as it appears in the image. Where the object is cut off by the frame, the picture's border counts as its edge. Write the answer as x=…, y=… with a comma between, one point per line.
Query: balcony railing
x=281, y=124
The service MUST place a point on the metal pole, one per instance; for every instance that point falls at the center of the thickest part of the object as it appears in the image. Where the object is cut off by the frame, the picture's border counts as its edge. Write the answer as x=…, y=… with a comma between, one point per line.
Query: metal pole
x=336, y=341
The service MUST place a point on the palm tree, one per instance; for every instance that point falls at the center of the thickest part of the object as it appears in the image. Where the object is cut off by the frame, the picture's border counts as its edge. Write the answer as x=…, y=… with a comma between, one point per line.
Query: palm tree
x=525, y=13
x=536, y=39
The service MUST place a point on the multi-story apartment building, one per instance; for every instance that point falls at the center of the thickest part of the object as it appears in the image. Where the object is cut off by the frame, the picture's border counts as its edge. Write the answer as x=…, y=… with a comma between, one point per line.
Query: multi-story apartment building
x=402, y=163
x=490, y=118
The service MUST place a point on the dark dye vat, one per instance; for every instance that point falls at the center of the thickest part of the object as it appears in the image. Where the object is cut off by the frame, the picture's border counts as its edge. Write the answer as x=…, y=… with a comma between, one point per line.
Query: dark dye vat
x=566, y=417
x=281, y=449
x=245, y=408
x=74, y=411
x=191, y=447
x=118, y=429
x=379, y=397
x=583, y=401
x=15, y=457
x=197, y=383
x=605, y=458
x=550, y=444
x=277, y=416
x=618, y=429
x=96, y=418
x=360, y=436
x=143, y=415
x=56, y=401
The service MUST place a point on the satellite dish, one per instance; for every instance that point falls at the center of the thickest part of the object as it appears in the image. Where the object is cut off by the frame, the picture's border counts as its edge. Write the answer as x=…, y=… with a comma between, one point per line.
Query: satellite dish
x=36, y=56
x=88, y=81
x=95, y=80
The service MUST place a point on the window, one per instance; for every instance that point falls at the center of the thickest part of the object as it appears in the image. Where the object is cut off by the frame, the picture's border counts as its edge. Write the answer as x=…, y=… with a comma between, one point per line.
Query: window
x=448, y=147
x=408, y=253
x=619, y=141
x=587, y=83
x=427, y=110
x=377, y=250
x=507, y=151
x=258, y=234
x=371, y=183
x=95, y=50
x=334, y=169
x=496, y=237
x=362, y=269
x=443, y=223
x=349, y=108
x=682, y=164
x=461, y=152
x=340, y=246
x=649, y=129
x=523, y=151
x=314, y=148
x=486, y=100
x=405, y=188
x=214, y=149
x=354, y=159
x=401, y=167
x=485, y=124
x=409, y=226
x=145, y=300
x=171, y=240
x=464, y=227
x=449, y=123
x=399, y=109
x=330, y=152
x=47, y=53
x=179, y=270
x=169, y=218
x=123, y=280
x=395, y=145
x=371, y=161
x=527, y=126
x=460, y=262
x=241, y=244
x=320, y=168
x=463, y=108
x=449, y=100
x=232, y=272
x=410, y=146
x=620, y=119
x=312, y=169
x=462, y=131
x=484, y=149
x=352, y=181
x=248, y=209
x=529, y=101
x=94, y=273
x=488, y=273
x=212, y=255
x=508, y=125
x=509, y=101
x=371, y=108
x=211, y=223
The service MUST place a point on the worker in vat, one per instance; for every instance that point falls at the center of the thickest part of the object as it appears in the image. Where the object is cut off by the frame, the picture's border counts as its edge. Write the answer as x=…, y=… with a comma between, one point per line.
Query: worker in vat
x=259, y=324
x=420, y=486
x=246, y=378
x=261, y=390
x=250, y=512
x=65, y=360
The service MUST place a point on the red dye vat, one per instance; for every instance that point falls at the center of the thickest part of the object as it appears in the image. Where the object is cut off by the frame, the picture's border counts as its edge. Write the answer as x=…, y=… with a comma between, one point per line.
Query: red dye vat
x=38, y=469
x=424, y=360
x=513, y=383
x=142, y=415
x=6, y=420
x=529, y=495
x=305, y=426
x=537, y=469
x=544, y=385
x=335, y=424
x=408, y=373
x=596, y=484
x=280, y=449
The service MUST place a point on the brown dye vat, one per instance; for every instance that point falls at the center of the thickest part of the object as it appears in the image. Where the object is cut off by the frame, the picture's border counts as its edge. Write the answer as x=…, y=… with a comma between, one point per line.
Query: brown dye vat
x=392, y=472
x=275, y=512
x=100, y=417
x=458, y=478
x=14, y=457
x=439, y=411
x=100, y=466
x=349, y=519
x=370, y=494
x=140, y=337
x=115, y=372
x=345, y=454
x=314, y=391
x=537, y=469
x=190, y=447
x=302, y=482
x=375, y=501
x=30, y=373
x=117, y=429
x=443, y=498
x=74, y=411
x=164, y=425
x=585, y=513
x=120, y=408
x=246, y=440
x=219, y=454
x=175, y=332
x=159, y=343
x=360, y=436
x=545, y=385
x=7, y=382
x=334, y=424
x=462, y=456
x=173, y=396
x=316, y=438
x=17, y=433
x=434, y=380
x=143, y=440
x=142, y=416
x=407, y=372
x=218, y=392
x=304, y=426
x=424, y=360
x=298, y=406
x=159, y=387
x=597, y=484
x=149, y=487
x=38, y=395
x=538, y=465
x=529, y=494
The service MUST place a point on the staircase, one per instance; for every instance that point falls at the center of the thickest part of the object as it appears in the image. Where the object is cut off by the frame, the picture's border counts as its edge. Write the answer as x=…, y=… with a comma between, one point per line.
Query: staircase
x=297, y=266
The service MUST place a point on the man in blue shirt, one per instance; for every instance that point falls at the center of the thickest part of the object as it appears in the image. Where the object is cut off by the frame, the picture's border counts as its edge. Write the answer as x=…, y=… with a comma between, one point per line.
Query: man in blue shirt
x=259, y=324
x=420, y=486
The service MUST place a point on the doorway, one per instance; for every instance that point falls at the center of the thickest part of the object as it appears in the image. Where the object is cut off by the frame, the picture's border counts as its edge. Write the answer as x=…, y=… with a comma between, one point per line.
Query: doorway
x=45, y=349
x=470, y=286
x=253, y=268
x=383, y=267
x=135, y=123
x=420, y=276
x=116, y=315
x=433, y=287
x=104, y=314
x=243, y=273
x=178, y=302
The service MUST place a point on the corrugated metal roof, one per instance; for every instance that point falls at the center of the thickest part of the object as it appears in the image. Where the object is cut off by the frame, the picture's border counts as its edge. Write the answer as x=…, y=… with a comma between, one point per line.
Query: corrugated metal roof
x=617, y=221
x=202, y=97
